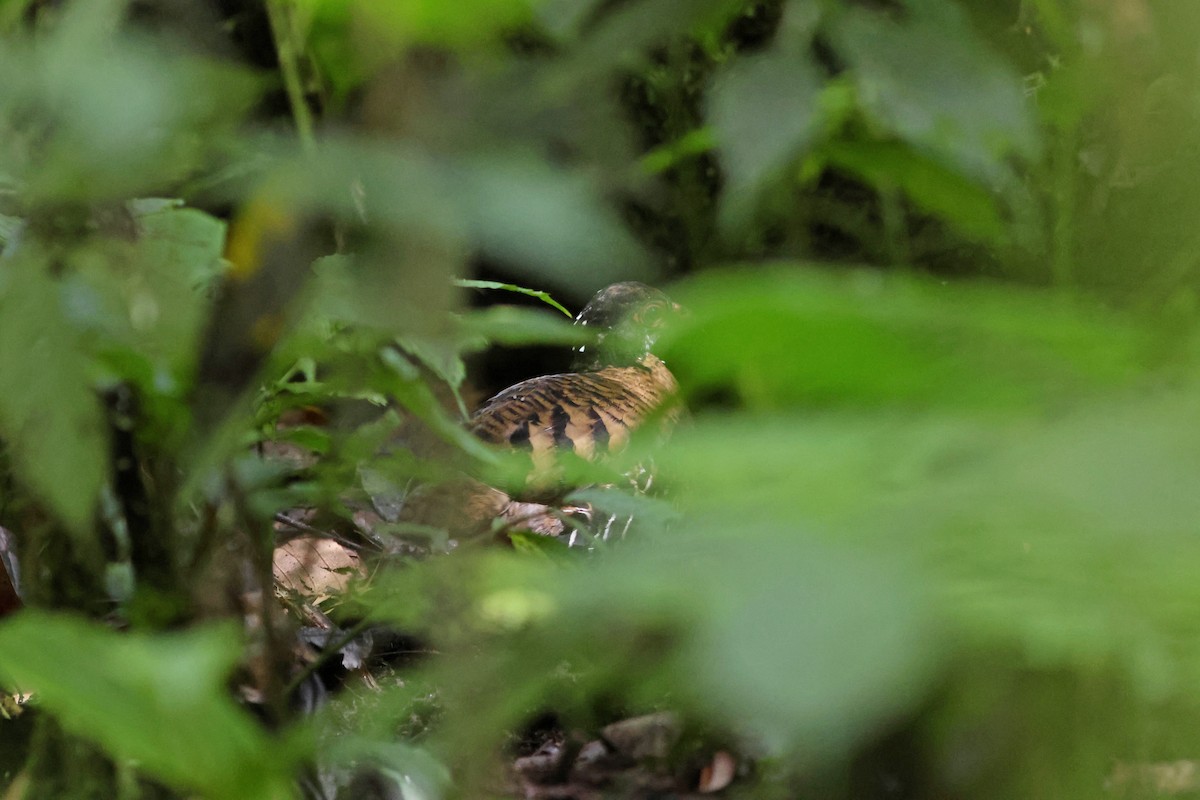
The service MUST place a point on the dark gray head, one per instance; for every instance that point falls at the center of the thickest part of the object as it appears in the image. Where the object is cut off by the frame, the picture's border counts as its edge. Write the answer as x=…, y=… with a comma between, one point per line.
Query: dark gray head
x=627, y=317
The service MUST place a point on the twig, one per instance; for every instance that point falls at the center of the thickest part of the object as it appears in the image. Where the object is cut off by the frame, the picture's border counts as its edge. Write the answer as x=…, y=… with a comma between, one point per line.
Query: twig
x=299, y=525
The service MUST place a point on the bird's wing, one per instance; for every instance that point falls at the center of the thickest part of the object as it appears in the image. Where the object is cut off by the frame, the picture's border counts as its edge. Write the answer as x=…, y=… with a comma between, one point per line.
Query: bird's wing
x=586, y=411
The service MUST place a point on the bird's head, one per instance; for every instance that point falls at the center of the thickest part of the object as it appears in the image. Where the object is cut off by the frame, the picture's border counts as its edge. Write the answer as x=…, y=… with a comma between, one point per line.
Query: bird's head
x=627, y=318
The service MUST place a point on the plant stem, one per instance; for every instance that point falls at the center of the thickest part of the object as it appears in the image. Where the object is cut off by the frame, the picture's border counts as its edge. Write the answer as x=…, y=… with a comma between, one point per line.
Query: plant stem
x=288, y=49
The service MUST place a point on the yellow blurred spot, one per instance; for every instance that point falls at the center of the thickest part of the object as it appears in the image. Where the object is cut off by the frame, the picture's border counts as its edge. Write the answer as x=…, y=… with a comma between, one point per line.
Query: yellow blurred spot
x=515, y=608
x=266, y=330
x=260, y=222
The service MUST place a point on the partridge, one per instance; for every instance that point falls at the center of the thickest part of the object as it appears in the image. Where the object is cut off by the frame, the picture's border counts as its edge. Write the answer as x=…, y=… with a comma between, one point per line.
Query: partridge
x=618, y=386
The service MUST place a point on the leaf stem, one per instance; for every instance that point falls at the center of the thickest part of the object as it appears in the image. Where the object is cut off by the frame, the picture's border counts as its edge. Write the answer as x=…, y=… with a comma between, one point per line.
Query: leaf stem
x=288, y=48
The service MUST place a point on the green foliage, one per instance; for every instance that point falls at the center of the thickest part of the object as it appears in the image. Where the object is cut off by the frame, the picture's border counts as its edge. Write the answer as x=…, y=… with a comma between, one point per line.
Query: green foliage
x=84, y=121
x=765, y=109
x=944, y=493
x=792, y=336
x=157, y=700
x=54, y=424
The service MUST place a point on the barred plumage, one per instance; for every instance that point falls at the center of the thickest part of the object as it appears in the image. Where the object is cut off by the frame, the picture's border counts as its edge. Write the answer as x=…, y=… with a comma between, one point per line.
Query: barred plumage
x=588, y=412
x=620, y=387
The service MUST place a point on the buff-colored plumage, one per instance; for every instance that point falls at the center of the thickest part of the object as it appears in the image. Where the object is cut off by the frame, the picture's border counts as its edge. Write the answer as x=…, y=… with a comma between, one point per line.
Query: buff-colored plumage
x=588, y=412
x=592, y=412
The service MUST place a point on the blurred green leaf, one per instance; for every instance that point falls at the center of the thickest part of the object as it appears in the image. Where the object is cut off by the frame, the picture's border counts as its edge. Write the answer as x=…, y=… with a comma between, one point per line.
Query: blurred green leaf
x=563, y=17
x=942, y=192
x=806, y=645
x=48, y=411
x=179, y=259
x=958, y=102
x=1077, y=540
x=11, y=12
x=545, y=223
x=138, y=686
x=622, y=38
x=771, y=632
x=352, y=39
x=402, y=382
x=140, y=305
x=783, y=336
x=669, y=155
x=417, y=774
x=764, y=113
x=102, y=117
x=625, y=503
x=509, y=325
x=455, y=24
x=439, y=354
x=1069, y=537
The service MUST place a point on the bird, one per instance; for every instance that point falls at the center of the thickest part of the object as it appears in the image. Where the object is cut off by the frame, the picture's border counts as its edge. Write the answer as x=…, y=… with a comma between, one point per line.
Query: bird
x=616, y=386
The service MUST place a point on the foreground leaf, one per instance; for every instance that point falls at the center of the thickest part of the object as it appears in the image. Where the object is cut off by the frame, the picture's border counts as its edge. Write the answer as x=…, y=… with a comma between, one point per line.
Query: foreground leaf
x=764, y=113
x=802, y=336
x=48, y=412
x=159, y=700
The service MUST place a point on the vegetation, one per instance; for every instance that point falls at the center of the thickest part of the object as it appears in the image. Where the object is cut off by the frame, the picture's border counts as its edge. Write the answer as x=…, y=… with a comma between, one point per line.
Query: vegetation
x=929, y=529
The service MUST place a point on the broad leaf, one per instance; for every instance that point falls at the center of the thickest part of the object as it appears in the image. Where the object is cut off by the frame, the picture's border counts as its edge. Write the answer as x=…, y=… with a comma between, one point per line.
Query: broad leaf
x=928, y=78
x=49, y=414
x=790, y=336
x=943, y=192
x=764, y=112
x=159, y=700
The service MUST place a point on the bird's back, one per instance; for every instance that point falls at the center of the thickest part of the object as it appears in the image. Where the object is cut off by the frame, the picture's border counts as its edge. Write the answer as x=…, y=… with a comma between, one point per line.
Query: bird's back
x=587, y=412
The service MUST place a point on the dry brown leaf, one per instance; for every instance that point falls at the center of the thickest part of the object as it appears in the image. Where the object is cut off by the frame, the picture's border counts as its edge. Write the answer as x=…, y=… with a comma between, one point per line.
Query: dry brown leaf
x=314, y=567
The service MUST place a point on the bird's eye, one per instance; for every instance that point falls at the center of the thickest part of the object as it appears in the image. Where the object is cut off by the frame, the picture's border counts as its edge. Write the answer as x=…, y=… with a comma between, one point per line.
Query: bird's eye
x=650, y=315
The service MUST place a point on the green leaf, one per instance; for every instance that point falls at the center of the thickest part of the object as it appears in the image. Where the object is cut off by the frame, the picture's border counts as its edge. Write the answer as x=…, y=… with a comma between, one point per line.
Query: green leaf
x=1067, y=537
x=179, y=258
x=642, y=508
x=508, y=287
x=48, y=411
x=801, y=336
x=623, y=37
x=764, y=113
x=418, y=772
x=692, y=143
x=403, y=383
x=72, y=141
x=141, y=305
x=947, y=194
x=800, y=677
x=535, y=545
x=958, y=101
x=563, y=18
x=767, y=629
x=440, y=354
x=509, y=325
x=351, y=40
x=545, y=223
x=136, y=688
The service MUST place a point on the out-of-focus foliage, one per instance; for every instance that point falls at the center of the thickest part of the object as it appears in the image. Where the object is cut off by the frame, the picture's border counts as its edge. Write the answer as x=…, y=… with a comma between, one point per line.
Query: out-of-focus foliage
x=939, y=267
x=136, y=688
